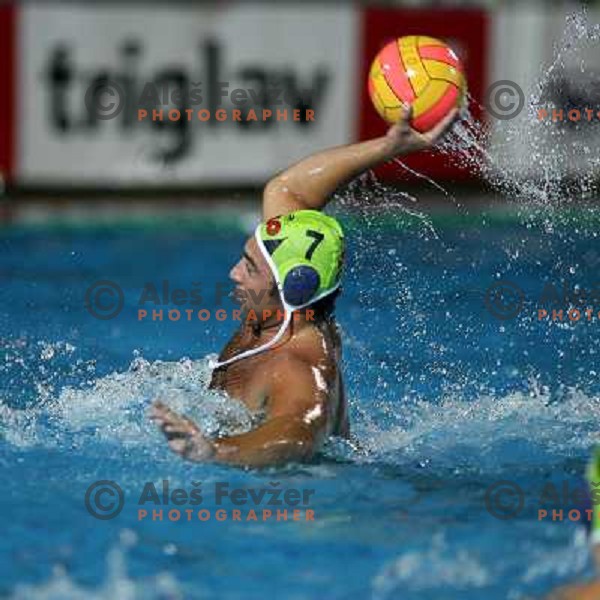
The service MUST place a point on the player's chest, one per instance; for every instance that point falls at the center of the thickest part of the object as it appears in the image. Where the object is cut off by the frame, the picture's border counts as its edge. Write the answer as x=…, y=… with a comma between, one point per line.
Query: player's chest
x=240, y=380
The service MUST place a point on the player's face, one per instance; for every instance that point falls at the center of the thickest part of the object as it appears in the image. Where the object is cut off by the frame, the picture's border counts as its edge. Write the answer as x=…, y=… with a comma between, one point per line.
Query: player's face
x=255, y=286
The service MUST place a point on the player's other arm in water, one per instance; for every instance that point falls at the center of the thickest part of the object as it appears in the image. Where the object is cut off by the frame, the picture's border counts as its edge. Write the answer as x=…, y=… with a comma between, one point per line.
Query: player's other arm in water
x=295, y=426
x=310, y=183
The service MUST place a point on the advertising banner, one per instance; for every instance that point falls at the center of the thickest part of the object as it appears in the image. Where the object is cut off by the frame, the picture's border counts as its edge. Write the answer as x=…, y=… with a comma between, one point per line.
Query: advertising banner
x=202, y=95
x=7, y=100
x=119, y=95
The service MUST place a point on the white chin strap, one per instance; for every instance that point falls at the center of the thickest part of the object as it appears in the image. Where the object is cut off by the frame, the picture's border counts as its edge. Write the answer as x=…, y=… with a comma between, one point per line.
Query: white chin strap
x=215, y=364
x=288, y=310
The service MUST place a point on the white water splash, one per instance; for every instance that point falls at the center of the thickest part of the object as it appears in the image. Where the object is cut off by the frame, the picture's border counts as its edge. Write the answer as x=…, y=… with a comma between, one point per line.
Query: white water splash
x=114, y=407
x=562, y=562
x=545, y=176
x=117, y=583
x=437, y=567
x=451, y=433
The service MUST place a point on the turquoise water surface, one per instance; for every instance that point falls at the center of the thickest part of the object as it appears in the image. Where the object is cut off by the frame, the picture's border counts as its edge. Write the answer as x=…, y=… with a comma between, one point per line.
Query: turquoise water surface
x=446, y=400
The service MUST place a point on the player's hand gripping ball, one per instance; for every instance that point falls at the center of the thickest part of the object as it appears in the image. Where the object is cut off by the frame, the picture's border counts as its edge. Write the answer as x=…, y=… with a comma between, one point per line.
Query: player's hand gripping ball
x=421, y=72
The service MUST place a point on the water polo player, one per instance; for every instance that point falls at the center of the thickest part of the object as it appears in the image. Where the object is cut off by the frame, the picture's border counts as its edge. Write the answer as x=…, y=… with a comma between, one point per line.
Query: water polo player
x=290, y=368
x=591, y=589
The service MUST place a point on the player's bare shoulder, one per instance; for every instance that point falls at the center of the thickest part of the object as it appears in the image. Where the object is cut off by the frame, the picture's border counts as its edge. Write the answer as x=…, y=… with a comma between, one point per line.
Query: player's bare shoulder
x=316, y=347
x=308, y=363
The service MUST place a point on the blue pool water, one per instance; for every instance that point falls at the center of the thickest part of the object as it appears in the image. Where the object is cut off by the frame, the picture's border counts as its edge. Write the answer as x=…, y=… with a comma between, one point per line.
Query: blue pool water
x=446, y=399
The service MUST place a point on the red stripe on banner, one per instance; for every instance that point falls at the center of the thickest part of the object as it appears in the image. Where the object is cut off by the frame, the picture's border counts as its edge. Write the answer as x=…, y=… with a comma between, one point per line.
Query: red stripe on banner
x=7, y=89
x=465, y=30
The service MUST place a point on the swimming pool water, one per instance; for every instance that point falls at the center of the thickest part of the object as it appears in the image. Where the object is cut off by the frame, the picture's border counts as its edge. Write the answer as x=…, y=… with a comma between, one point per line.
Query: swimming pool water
x=446, y=399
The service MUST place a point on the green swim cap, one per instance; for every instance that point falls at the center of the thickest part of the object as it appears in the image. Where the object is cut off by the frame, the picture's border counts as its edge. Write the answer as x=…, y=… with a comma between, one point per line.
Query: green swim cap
x=305, y=251
x=593, y=479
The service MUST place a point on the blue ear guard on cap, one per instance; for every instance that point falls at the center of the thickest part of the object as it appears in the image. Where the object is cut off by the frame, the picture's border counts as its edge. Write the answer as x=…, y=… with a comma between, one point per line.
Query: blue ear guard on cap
x=300, y=285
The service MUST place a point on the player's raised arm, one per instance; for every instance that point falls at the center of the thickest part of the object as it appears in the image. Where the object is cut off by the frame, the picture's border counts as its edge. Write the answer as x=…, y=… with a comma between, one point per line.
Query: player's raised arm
x=308, y=184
